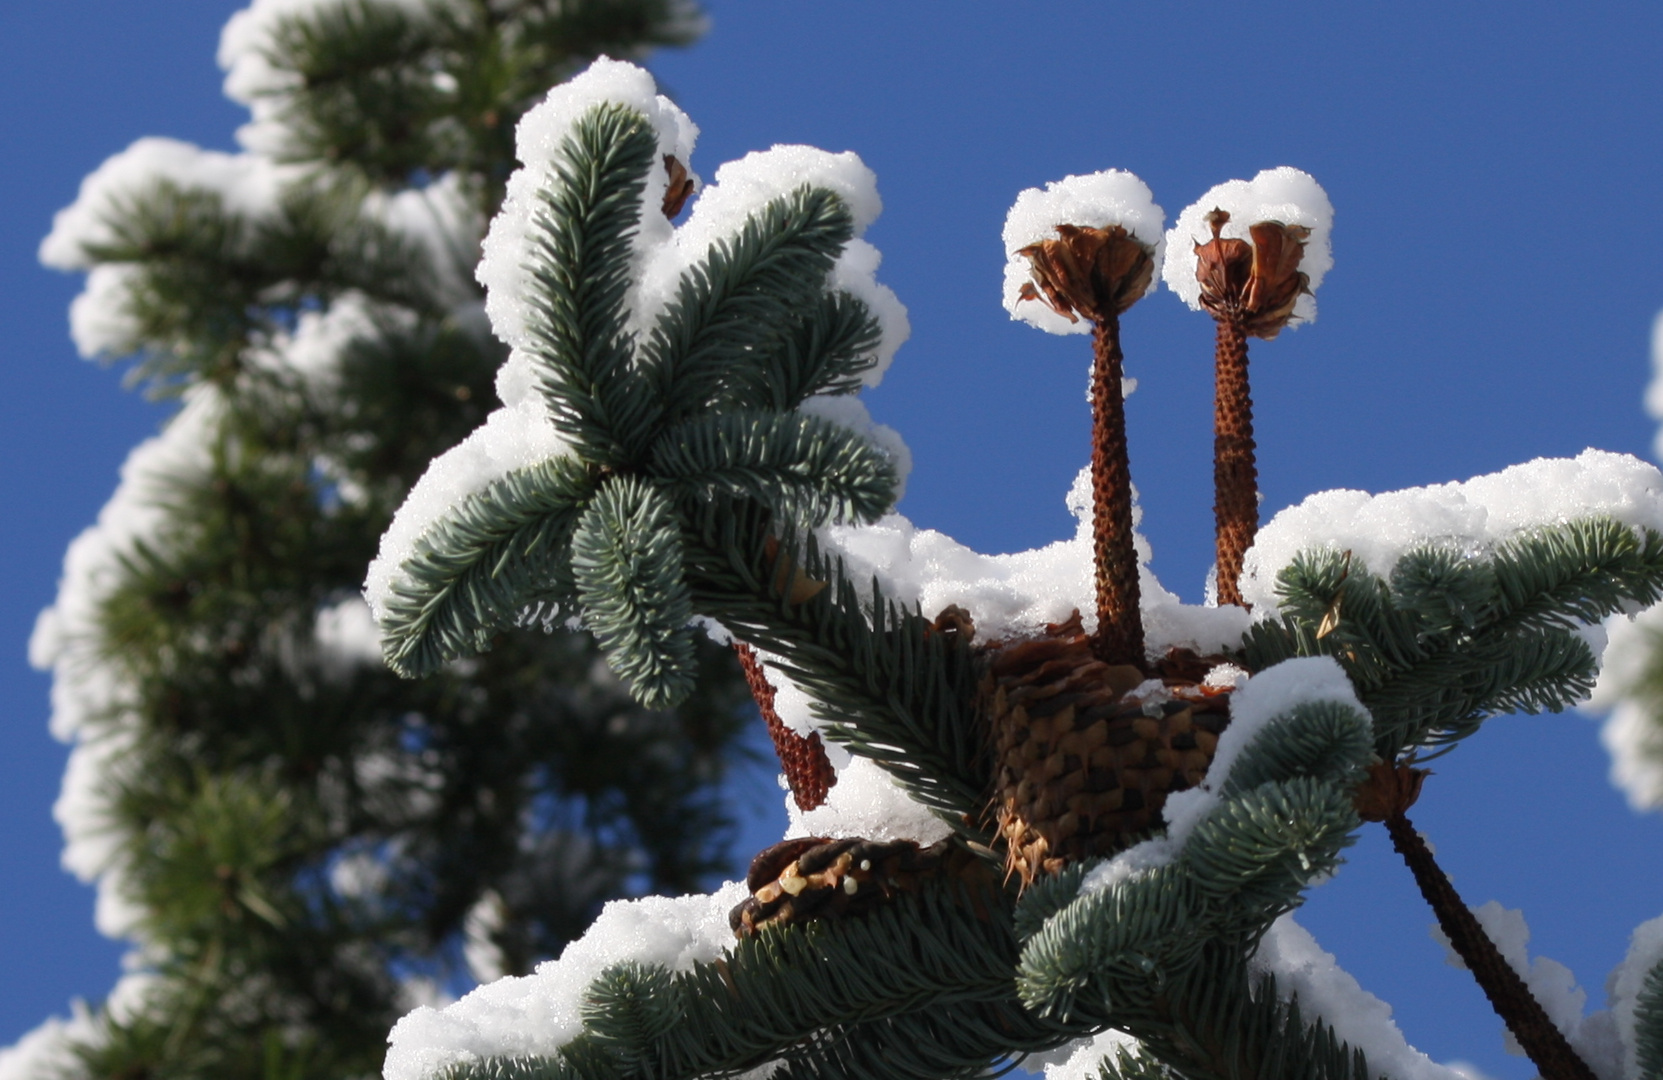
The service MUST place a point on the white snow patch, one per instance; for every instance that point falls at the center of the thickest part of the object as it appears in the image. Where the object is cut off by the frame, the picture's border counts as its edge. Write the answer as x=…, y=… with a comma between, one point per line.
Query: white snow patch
x=539, y=1013
x=1096, y=201
x=1631, y=733
x=1080, y=1059
x=1285, y=195
x=867, y=802
x=1017, y=595
x=1473, y=515
x=1302, y=967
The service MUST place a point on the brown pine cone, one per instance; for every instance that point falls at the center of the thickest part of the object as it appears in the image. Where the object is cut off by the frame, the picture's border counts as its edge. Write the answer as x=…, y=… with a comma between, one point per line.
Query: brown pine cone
x=798, y=881
x=1082, y=764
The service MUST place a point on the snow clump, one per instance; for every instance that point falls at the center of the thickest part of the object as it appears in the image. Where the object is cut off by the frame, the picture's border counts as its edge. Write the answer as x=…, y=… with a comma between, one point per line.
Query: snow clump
x=539, y=1013
x=1285, y=195
x=1101, y=199
x=1470, y=516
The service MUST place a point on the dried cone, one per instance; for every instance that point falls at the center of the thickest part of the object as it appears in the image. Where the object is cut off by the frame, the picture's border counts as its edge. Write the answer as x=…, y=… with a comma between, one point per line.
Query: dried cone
x=1085, y=752
x=1251, y=290
x=799, y=881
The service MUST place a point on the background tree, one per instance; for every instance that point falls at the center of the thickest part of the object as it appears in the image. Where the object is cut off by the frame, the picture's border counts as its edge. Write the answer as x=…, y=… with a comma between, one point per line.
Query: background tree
x=299, y=843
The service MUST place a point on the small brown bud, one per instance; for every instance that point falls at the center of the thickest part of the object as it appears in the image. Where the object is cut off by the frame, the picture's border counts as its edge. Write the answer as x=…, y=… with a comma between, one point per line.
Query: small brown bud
x=680, y=189
x=1389, y=791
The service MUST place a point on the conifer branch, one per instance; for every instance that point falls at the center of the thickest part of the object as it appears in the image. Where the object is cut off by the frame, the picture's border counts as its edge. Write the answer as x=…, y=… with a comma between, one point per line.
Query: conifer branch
x=491, y=556
x=582, y=268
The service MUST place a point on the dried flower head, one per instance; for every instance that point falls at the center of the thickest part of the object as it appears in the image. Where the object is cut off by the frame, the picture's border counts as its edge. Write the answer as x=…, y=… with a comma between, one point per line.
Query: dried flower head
x=1095, y=273
x=1257, y=283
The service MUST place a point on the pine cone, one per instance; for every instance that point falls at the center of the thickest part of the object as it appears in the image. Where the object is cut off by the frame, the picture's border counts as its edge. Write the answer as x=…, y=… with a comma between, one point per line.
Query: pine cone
x=798, y=881
x=1082, y=763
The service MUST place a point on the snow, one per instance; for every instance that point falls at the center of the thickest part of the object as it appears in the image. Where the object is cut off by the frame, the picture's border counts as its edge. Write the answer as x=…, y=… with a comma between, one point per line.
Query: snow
x=1629, y=734
x=245, y=47
x=1304, y=968
x=1018, y=594
x=49, y=1050
x=1285, y=195
x=1645, y=952
x=866, y=802
x=1474, y=515
x=520, y=434
x=1551, y=983
x=1098, y=200
x=1080, y=1060
x=538, y=1013
x=247, y=184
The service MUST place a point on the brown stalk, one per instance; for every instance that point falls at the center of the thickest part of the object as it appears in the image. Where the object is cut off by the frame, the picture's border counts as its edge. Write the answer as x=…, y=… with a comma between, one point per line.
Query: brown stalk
x=1385, y=796
x=807, y=769
x=1235, y=466
x=1098, y=274
x=1250, y=289
x=1119, y=638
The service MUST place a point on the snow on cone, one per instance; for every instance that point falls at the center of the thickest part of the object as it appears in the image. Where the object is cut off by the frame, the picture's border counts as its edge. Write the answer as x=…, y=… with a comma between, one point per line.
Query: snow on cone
x=1250, y=254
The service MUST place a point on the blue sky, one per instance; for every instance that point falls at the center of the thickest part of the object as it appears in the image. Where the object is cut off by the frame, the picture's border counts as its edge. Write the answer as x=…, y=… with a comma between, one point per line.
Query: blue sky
x=1494, y=169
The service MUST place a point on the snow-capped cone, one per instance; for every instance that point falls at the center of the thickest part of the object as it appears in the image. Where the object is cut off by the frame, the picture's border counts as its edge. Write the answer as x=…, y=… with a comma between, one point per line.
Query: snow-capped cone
x=1085, y=246
x=1253, y=250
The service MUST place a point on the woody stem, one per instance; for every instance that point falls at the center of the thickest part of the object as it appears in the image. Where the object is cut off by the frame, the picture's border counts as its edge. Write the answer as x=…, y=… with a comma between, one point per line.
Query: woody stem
x=1235, y=473
x=1119, y=638
x=1509, y=996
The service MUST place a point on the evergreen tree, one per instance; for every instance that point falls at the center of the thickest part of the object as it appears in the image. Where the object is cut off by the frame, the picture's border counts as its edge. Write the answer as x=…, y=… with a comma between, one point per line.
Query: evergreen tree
x=1094, y=828
x=300, y=844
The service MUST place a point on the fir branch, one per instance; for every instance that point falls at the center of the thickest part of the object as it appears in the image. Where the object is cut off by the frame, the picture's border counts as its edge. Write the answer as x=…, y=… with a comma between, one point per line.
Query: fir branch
x=712, y=341
x=820, y=988
x=805, y=469
x=478, y=567
x=826, y=351
x=581, y=267
x=627, y=562
x=889, y=686
x=1259, y=848
x=1326, y=739
x=1457, y=638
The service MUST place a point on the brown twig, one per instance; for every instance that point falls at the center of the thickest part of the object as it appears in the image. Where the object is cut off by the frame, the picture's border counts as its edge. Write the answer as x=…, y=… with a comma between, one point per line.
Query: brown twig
x=1512, y=1000
x=1235, y=470
x=1119, y=638
x=807, y=769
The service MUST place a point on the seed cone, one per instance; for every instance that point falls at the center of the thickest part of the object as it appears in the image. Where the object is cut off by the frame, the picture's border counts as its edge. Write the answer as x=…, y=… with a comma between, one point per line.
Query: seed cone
x=1085, y=752
x=799, y=881
x=808, y=772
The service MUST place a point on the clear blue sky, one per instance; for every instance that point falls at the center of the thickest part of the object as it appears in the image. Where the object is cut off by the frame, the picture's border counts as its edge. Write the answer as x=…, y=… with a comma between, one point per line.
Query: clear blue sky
x=1494, y=169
